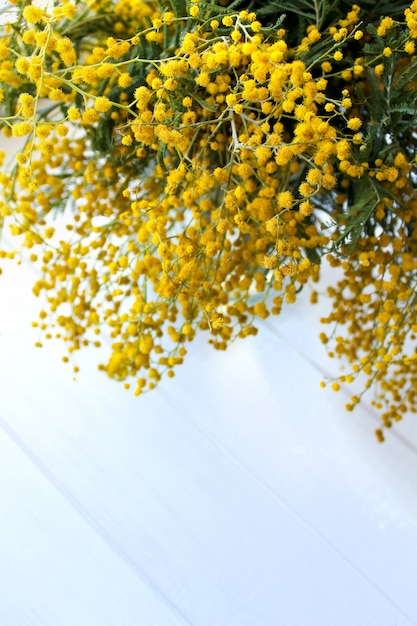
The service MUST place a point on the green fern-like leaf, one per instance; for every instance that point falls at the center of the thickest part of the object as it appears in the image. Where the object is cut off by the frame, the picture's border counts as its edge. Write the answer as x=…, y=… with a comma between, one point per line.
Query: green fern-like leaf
x=355, y=220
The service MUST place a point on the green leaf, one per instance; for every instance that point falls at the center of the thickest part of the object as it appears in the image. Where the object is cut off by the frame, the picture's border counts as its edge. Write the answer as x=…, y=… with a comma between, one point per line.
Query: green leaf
x=405, y=79
x=204, y=104
x=160, y=156
x=179, y=8
x=366, y=201
x=313, y=256
x=409, y=110
x=102, y=136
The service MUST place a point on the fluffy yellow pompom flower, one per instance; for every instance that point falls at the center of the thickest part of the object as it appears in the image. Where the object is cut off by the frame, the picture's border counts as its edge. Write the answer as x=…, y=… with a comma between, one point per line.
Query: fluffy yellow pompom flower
x=354, y=123
x=33, y=14
x=102, y=104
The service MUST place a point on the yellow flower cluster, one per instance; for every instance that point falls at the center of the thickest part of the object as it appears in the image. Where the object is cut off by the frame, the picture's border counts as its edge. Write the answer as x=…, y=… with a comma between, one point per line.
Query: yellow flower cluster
x=191, y=160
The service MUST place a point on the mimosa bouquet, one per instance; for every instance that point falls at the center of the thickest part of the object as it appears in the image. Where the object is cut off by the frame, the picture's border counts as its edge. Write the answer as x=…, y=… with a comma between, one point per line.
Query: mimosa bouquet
x=177, y=157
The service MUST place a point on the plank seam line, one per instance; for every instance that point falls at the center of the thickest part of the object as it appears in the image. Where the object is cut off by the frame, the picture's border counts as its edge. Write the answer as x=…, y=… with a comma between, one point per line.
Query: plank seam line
x=90, y=520
x=216, y=443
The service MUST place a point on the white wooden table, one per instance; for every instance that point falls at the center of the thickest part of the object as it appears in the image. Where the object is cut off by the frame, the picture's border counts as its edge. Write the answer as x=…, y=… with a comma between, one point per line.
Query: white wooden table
x=237, y=494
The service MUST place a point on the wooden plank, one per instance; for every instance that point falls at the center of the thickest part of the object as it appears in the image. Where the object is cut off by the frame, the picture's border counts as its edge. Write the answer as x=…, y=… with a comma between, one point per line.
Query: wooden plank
x=240, y=490
x=55, y=568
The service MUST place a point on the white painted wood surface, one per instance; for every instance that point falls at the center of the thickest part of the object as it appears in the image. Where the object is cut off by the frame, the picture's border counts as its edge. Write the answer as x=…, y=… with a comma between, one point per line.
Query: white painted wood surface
x=237, y=494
